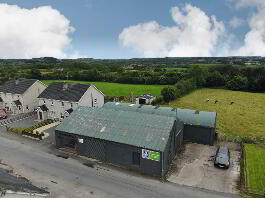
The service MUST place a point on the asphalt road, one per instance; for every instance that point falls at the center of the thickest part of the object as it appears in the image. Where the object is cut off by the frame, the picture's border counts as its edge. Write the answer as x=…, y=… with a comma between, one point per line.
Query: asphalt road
x=70, y=178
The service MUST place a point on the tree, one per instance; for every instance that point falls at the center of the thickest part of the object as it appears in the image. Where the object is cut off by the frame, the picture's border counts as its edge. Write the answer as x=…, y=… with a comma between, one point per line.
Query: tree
x=215, y=79
x=169, y=93
x=35, y=74
x=237, y=83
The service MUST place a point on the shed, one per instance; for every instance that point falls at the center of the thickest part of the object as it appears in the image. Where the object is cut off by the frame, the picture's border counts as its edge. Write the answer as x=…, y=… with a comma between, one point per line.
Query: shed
x=199, y=126
x=146, y=143
x=145, y=99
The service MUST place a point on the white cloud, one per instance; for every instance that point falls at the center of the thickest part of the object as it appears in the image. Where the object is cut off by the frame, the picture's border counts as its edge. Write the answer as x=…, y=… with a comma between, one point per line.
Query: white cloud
x=37, y=32
x=254, y=41
x=236, y=22
x=195, y=34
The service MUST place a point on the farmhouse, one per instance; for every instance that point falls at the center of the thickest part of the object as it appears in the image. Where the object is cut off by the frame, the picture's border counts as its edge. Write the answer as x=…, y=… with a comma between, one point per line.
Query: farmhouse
x=143, y=142
x=60, y=99
x=199, y=126
x=20, y=96
x=145, y=99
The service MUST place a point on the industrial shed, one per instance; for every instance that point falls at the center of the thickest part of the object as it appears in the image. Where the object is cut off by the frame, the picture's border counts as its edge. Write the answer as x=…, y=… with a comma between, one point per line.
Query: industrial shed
x=199, y=126
x=146, y=143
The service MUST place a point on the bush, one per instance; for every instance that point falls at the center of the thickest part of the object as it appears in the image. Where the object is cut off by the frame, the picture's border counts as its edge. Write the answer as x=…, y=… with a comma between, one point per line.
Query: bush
x=158, y=100
x=169, y=94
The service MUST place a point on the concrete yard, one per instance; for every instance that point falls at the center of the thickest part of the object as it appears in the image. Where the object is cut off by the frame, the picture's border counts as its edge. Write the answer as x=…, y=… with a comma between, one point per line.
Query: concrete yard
x=194, y=167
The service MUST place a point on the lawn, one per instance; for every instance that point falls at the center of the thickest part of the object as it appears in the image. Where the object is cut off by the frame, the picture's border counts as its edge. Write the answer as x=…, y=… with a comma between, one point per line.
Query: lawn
x=116, y=89
x=255, y=166
x=244, y=118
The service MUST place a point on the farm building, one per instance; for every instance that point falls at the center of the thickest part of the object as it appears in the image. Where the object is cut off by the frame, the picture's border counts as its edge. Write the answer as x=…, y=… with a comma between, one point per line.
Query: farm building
x=143, y=142
x=145, y=99
x=199, y=126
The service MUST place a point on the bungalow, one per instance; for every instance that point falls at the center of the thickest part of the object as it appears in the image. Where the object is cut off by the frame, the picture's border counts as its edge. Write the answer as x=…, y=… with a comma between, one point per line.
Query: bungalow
x=60, y=99
x=20, y=96
x=145, y=99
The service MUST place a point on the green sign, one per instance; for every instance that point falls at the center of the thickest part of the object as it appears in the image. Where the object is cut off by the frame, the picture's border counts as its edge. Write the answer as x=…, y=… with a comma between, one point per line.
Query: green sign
x=151, y=155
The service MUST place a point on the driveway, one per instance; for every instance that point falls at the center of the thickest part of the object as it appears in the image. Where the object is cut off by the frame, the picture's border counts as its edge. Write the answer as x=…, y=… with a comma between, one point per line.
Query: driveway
x=194, y=167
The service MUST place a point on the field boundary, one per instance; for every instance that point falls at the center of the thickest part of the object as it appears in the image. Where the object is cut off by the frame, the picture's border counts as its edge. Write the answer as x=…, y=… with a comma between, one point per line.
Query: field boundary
x=244, y=178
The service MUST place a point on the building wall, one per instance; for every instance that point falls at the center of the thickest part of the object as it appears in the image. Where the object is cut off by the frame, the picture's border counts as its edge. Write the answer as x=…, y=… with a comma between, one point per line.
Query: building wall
x=92, y=98
x=30, y=97
x=111, y=152
x=56, y=109
x=198, y=134
x=28, y=100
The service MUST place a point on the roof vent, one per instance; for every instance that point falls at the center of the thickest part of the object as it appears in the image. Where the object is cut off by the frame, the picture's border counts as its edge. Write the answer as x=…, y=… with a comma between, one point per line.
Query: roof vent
x=197, y=112
x=17, y=81
x=140, y=106
x=65, y=86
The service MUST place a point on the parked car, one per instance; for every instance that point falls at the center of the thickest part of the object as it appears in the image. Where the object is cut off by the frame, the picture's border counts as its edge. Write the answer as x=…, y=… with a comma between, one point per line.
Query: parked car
x=222, y=157
x=3, y=114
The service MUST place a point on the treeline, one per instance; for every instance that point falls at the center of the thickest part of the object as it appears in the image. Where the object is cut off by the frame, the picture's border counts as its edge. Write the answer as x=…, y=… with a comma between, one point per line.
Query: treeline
x=229, y=77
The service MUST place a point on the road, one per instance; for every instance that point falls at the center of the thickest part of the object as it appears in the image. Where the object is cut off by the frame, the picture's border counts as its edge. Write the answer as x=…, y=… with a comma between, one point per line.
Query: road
x=70, y=178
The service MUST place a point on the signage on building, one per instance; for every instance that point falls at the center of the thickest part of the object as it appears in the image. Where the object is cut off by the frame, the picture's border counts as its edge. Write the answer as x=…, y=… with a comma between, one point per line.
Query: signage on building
x=151, y=155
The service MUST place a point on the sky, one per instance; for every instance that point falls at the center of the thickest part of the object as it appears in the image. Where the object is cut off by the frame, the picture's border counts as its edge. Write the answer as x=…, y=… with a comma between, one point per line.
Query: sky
x=131, y=28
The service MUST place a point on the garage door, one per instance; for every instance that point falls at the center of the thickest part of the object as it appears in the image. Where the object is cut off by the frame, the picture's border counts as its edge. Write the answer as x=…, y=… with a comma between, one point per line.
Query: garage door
x=198, y=134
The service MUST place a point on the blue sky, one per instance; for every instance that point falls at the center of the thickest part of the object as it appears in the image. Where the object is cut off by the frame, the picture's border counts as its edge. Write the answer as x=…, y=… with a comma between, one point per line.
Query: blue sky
x=98, y=23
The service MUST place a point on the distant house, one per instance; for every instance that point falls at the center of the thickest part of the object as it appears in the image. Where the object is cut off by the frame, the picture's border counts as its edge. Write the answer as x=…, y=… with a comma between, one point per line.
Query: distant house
x=60, y=99
x=145, y=99
x=21, y=95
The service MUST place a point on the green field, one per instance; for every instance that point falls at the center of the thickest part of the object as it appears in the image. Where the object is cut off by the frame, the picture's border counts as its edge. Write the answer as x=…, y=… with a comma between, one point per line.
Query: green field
x=116, y=89
x=255, y=166
x=244, y=118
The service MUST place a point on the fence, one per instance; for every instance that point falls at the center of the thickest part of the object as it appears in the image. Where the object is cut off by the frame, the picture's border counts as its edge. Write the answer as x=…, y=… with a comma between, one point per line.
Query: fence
x=17, y=118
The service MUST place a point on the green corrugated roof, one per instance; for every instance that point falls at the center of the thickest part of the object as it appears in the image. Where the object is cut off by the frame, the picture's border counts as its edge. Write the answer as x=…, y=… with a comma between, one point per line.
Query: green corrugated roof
x=187, y=116
x=133, y=128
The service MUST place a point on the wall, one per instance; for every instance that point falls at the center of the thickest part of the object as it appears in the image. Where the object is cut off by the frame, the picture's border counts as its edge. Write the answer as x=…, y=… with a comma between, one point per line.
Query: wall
x=198, y=134
x=107, y=151
x=55, y=107
x=92, y=94
x=8, y=99
x=30, y=97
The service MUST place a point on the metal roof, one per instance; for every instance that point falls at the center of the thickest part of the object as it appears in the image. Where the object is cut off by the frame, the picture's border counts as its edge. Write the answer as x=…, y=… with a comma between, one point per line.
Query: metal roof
x=132, y=128
x=187, y=116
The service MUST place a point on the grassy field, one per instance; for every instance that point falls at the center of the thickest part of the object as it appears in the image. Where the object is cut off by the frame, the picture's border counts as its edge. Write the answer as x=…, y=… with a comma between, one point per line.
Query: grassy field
x=116, y=89
x=255, y=166
x=244, y=118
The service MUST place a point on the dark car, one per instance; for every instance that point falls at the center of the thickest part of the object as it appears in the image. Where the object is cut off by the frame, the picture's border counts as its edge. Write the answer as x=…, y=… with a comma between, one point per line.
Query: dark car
x=222, y=157
x=3, y=114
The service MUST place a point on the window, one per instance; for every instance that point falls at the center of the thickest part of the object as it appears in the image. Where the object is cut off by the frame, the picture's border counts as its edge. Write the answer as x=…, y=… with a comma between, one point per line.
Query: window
x=19, y=107
x=71, y=104
x=44, y=102
x=62, y=104
x=17, y=96
x=27, y=107
x=52, y=103
x=136, y=158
